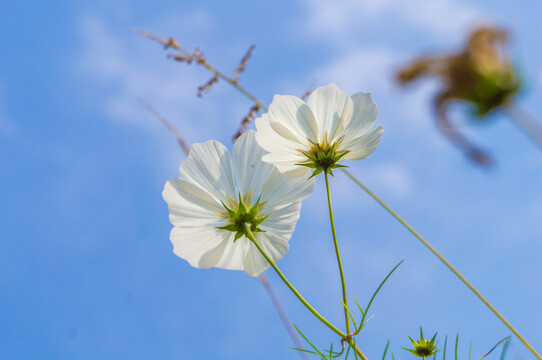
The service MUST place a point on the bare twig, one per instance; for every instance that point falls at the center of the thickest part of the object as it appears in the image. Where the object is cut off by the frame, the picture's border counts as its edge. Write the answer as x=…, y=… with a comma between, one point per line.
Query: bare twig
x=166, y=123
x=242, y=65
x=207, y=86
x=309, y=90
x=246, y=121
x=198, y=58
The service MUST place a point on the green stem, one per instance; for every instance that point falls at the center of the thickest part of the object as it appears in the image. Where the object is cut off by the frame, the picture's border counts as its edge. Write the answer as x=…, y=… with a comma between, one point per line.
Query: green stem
x=250, y=236
x=335, y=242
x=441, y=258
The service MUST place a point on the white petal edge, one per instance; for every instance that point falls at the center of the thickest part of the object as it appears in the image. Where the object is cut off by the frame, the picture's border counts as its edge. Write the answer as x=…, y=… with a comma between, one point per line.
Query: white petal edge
x=295, y=115
x=249, y=168
x=363, y=117
x=209, y=167
x=332, y=108
x=254, y=262
x=280, y=190
x=361, y=148
x=202, y=247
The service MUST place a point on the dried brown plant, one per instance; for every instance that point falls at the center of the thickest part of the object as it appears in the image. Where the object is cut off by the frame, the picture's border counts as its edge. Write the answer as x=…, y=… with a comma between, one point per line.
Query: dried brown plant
x=479, y=74
x=197, y=57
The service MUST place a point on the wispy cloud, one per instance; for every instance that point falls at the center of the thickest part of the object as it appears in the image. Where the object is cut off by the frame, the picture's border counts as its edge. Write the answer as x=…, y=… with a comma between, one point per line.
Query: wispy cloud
x=120, y=66
x=341, y=22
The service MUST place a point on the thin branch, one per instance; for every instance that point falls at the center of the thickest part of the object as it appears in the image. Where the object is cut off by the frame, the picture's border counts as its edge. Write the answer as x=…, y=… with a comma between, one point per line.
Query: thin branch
x=166, y=123
x=242, y=65
x=310, y=89
x=246, y=121
x=198, y=58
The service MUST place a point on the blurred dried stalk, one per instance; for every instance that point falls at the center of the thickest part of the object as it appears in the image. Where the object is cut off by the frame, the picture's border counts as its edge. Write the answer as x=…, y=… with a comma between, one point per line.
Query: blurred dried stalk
x=242, y=65
x=480, y=74
x=197, y=57
x=246, y=121
x=166, y=123
x=309, y=90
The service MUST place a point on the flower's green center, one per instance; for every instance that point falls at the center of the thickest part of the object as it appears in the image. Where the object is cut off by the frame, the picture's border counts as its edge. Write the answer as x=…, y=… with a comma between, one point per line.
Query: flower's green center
x=243, y=217
x=423, y=347
x=322, y=157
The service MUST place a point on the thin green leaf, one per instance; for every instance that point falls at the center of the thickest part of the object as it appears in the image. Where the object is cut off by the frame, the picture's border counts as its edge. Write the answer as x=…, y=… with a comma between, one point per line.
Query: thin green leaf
x=355, y=353
x=359, y=307
x=505, y=348
x=386, y=350
x=494, y=347
x=349, y=314
x=444, y=351
x=456, y=342
x=306, y=351
x=307, y=340
x=470, y=350
x=376, y=292
x=347, y=352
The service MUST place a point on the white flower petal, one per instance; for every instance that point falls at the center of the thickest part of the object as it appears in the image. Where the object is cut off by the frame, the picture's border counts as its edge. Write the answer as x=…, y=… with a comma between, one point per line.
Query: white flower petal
x=234, y=253
x=364, y=116
x=295, y=115
x=189, y=205
x=271, y=141
x=332, y=109
x=250, y=171
x=363, y=147
x=254, y=262
x=201, y=246
x=209, y=167
x=283, y=153
x=281, y=190
x=282, y=221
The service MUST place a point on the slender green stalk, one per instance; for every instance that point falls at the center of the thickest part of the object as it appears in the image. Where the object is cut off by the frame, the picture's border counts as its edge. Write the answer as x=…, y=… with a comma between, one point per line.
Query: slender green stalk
x=441, y=258
x=251, y=237
x=335, y=242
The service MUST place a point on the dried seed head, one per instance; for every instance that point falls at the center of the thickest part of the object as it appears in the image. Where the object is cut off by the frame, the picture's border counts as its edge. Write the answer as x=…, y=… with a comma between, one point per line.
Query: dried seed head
x=207, y=86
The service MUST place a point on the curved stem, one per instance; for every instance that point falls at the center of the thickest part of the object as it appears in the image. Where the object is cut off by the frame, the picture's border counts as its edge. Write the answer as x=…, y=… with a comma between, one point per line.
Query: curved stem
x=252, y=238
x=335, y=242
x=441, y=258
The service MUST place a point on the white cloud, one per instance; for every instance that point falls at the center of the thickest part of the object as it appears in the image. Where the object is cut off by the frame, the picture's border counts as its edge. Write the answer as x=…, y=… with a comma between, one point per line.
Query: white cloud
x=340, y=21
x=361, y=68
x=118, y=66
x=110, y=61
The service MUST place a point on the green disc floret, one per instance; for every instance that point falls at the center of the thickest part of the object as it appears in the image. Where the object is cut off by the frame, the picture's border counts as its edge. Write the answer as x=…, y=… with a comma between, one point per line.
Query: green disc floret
x=424, y=347
x=243, y=215
x=323, y=157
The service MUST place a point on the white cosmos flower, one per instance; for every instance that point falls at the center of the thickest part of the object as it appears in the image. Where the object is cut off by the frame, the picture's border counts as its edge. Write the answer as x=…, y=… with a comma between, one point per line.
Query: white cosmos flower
x=208, y=182
x=338, y=125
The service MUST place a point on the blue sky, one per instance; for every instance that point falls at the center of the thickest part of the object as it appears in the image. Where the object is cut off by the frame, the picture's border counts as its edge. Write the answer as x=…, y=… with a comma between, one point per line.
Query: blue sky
x=87, y=270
